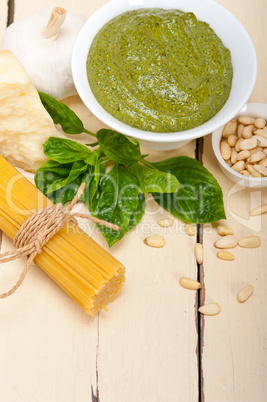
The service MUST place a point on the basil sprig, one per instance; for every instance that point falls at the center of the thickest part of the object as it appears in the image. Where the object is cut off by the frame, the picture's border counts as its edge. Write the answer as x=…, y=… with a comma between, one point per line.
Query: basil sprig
x=181, y=185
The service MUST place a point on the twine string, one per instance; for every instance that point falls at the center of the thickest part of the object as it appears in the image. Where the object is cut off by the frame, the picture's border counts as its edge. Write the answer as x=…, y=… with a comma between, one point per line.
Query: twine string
x=38, y=229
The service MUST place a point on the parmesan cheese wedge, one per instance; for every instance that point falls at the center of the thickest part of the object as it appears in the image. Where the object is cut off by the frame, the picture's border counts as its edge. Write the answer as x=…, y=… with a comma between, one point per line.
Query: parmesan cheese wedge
x=24, y=123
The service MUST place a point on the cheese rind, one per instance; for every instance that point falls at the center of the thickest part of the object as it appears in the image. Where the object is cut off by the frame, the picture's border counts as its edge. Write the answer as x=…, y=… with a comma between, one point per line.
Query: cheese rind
x=24, y=123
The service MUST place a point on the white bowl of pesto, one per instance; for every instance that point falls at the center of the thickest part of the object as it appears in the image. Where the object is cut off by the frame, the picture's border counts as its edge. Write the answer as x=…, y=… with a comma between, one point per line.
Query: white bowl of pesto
x=164, y=79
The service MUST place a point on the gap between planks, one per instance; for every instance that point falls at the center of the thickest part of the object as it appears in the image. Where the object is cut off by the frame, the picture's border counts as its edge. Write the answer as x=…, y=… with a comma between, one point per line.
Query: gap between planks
x=200, y=297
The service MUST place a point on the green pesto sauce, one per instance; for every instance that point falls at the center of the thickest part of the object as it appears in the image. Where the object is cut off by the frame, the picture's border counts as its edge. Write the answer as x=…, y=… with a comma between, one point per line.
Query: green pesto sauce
x=159, y=70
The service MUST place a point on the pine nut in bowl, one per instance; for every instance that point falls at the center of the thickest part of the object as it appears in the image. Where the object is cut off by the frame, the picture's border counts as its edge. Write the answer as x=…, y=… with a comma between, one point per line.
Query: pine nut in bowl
x=191, y=121
x=240, y=146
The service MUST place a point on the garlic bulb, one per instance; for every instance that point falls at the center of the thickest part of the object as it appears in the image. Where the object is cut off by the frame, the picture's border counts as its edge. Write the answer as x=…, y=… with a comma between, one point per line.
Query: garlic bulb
x=43, y=42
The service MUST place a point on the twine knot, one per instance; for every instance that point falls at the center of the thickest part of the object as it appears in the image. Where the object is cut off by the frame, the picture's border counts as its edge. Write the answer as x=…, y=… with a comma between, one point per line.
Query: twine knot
x=38, y=229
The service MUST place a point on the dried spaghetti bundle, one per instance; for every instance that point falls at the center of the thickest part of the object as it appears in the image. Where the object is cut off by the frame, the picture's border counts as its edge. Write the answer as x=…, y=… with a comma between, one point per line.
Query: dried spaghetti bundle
x=81, y=267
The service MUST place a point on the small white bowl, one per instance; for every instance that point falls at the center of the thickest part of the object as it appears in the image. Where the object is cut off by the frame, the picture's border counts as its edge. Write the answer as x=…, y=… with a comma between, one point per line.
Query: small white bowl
x=252, y=110
x=226, y=26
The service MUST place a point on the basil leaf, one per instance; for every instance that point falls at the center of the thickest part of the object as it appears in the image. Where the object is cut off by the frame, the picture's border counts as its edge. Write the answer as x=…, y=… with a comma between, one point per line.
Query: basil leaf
x=199, y=199
x=138, y=213
x=118, y=148
x=92, y=178
x=153, y=180
x=52, y=172
x=78, y=168
x=63, y=115
x=66, y=151
x=117, y=202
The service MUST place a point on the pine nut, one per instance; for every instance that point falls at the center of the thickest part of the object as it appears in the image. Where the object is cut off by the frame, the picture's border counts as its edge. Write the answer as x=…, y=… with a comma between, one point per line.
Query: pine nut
x=225, y=255
x=256, y=174
x=243, y=155
x=190, y=229
x=250, y=242
x=245, y=173
x=225, y=150
x=228, y=241
x=210, y=309
x=233, y=156
x=261, y=209
x=239, y=130
x=265, y=151
x=229, y=163
x=245, y=293
x=250, y=169
x=198, y=249
x=263, y=162
x=247, y=131
x=257, y=156
x=246, y=120
x=259, y=122
x=261, y=132
x=248, y=144
x=224, y=230
x=188, y=283
x=238, y=166
x=262, y=142
x=261, y=169
x=165, y=223
x=229, y=128
x=155, y=241
x=237, y=145
x=257, y=149
x=232, y=139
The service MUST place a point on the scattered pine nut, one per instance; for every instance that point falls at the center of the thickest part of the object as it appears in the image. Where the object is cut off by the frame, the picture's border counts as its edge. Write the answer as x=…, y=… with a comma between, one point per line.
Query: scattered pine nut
x=250, y=242
x=165, y=223
x=228, y=241
x=245, y=293
x=198, y=249
x=188, y=283
x=210, y=309
x=155, y=241
x=261, y=209
x=224, y=230
x=190, y=229
x=225, y=255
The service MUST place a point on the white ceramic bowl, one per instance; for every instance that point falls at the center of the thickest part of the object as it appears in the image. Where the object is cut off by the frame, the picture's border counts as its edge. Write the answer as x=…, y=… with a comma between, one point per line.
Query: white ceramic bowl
x=253, y=110
x=226, y=26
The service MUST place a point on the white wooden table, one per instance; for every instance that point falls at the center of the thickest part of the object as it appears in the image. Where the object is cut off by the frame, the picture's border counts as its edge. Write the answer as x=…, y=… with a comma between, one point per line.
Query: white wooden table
x=152, y=346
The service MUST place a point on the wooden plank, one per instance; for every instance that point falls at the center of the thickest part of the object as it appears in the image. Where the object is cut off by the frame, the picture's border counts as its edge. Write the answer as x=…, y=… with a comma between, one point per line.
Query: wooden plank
x=234, y=358
x=144, y=348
